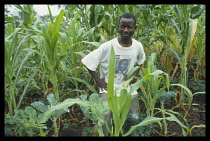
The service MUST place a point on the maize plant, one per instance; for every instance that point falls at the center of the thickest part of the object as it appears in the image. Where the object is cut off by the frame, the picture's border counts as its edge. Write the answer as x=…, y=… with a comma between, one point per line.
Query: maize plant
x=186, y=31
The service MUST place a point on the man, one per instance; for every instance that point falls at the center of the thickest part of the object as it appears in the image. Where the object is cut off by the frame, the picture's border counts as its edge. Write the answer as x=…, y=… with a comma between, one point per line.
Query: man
x=129, y=52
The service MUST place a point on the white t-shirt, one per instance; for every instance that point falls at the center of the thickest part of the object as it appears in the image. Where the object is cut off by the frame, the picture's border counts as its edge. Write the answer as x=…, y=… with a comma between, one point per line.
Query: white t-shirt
x=126, y=58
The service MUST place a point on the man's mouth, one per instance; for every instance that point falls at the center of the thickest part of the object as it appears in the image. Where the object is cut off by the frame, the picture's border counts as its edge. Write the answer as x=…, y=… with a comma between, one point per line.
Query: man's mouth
x=125, y=34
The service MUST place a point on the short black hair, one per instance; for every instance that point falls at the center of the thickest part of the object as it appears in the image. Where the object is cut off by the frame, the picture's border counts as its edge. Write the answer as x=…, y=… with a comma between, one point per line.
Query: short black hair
x=128, y=15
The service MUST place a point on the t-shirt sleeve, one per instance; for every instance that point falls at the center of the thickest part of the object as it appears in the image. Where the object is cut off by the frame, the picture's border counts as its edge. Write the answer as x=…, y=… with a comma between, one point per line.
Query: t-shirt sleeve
x=141, y=57
x=92, y=60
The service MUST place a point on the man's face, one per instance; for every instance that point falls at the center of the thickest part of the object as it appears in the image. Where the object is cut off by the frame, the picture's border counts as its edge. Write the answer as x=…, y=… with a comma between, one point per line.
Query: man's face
x=127, y=28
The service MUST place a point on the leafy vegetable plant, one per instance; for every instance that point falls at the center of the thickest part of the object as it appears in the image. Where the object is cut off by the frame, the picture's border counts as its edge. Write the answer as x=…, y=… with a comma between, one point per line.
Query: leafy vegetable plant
x=40, y=106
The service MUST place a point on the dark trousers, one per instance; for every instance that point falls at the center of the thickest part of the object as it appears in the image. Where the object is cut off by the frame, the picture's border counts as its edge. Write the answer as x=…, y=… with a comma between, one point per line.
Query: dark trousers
x=130, y=121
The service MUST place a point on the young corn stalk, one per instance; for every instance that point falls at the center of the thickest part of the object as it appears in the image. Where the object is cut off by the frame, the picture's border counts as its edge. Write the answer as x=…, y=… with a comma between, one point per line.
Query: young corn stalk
x=52, y=56
x=151, y=87
x=12, y=51
x=186, y=31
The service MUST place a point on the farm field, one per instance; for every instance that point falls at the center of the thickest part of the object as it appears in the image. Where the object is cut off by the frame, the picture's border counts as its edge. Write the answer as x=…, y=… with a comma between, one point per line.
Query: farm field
x=49, y=92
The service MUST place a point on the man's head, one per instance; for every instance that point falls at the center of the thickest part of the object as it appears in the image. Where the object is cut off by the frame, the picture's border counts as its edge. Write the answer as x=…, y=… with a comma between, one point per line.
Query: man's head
x=127, y=26
x=128, y=15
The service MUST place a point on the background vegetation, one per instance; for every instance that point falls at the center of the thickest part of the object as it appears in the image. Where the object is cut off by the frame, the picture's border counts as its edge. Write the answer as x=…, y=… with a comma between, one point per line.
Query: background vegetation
x=43, y=56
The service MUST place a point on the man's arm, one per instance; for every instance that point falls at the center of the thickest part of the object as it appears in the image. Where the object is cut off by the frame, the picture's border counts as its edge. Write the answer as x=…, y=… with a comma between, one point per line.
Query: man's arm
x=137, y=71
x=100, y=82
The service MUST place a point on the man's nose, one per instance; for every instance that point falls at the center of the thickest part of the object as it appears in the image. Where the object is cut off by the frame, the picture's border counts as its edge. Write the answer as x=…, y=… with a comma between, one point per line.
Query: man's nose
x=126, y=29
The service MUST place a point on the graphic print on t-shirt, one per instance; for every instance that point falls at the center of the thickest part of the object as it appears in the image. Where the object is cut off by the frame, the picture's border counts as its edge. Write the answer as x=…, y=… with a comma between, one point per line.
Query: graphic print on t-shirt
x=122, y=64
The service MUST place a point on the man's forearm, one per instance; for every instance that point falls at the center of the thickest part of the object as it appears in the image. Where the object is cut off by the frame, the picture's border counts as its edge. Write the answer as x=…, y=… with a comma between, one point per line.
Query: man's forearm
x=94, y=75
x=137, y=71
x=100, y=82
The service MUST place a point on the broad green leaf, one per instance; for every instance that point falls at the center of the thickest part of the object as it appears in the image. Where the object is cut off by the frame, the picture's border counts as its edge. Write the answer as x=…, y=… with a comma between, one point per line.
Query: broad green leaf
x=51, y=99
x=65, y=104
x=58, y=21
x=90, y=87
x=82, y=54
x=132, y=71
x=26, y=87
x=196, y=11
x=146, y=121
x=17, y=51
x=156, y=72
x=22, y=65
x=14, y=42
x=176, y=54
x=173, y=118
x=39, y=106
x=30, y=111
x=96, y=13
x=124, y=110
x=96, y=44
x=178, y=30
x=42, y=133
x=111, y=75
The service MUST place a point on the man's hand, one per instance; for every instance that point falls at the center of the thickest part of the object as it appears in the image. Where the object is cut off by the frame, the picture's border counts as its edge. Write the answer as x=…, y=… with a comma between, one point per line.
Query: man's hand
x=102, y=83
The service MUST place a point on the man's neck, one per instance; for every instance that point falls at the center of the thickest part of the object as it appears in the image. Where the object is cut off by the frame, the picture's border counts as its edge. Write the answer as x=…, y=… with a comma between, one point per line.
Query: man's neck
x=124, y=43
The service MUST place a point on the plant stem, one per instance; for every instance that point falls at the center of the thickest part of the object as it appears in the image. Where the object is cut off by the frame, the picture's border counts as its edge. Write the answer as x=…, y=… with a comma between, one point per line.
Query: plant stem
x=55, y=86
x=55, y=127
x=12, y=96
x=164, y=120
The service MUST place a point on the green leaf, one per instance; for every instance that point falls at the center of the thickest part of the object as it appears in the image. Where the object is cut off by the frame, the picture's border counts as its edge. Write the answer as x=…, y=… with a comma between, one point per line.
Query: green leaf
x=132, y=71
x=65, y=104
x=30, y=111
x=196, y=11
x=80, y=54
x=178, y=30
x=145, y=122
x=51, y=99
x=110, y=88
x=50, y=13
x=39, y=106
x=26, y=87
x=90, y=87
x=96, y=13
x=42, y=133
x=58, y=21
x=176, y=54
x=14, y=42
x=22, y=65
x=97, y=44
x=17, y=51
